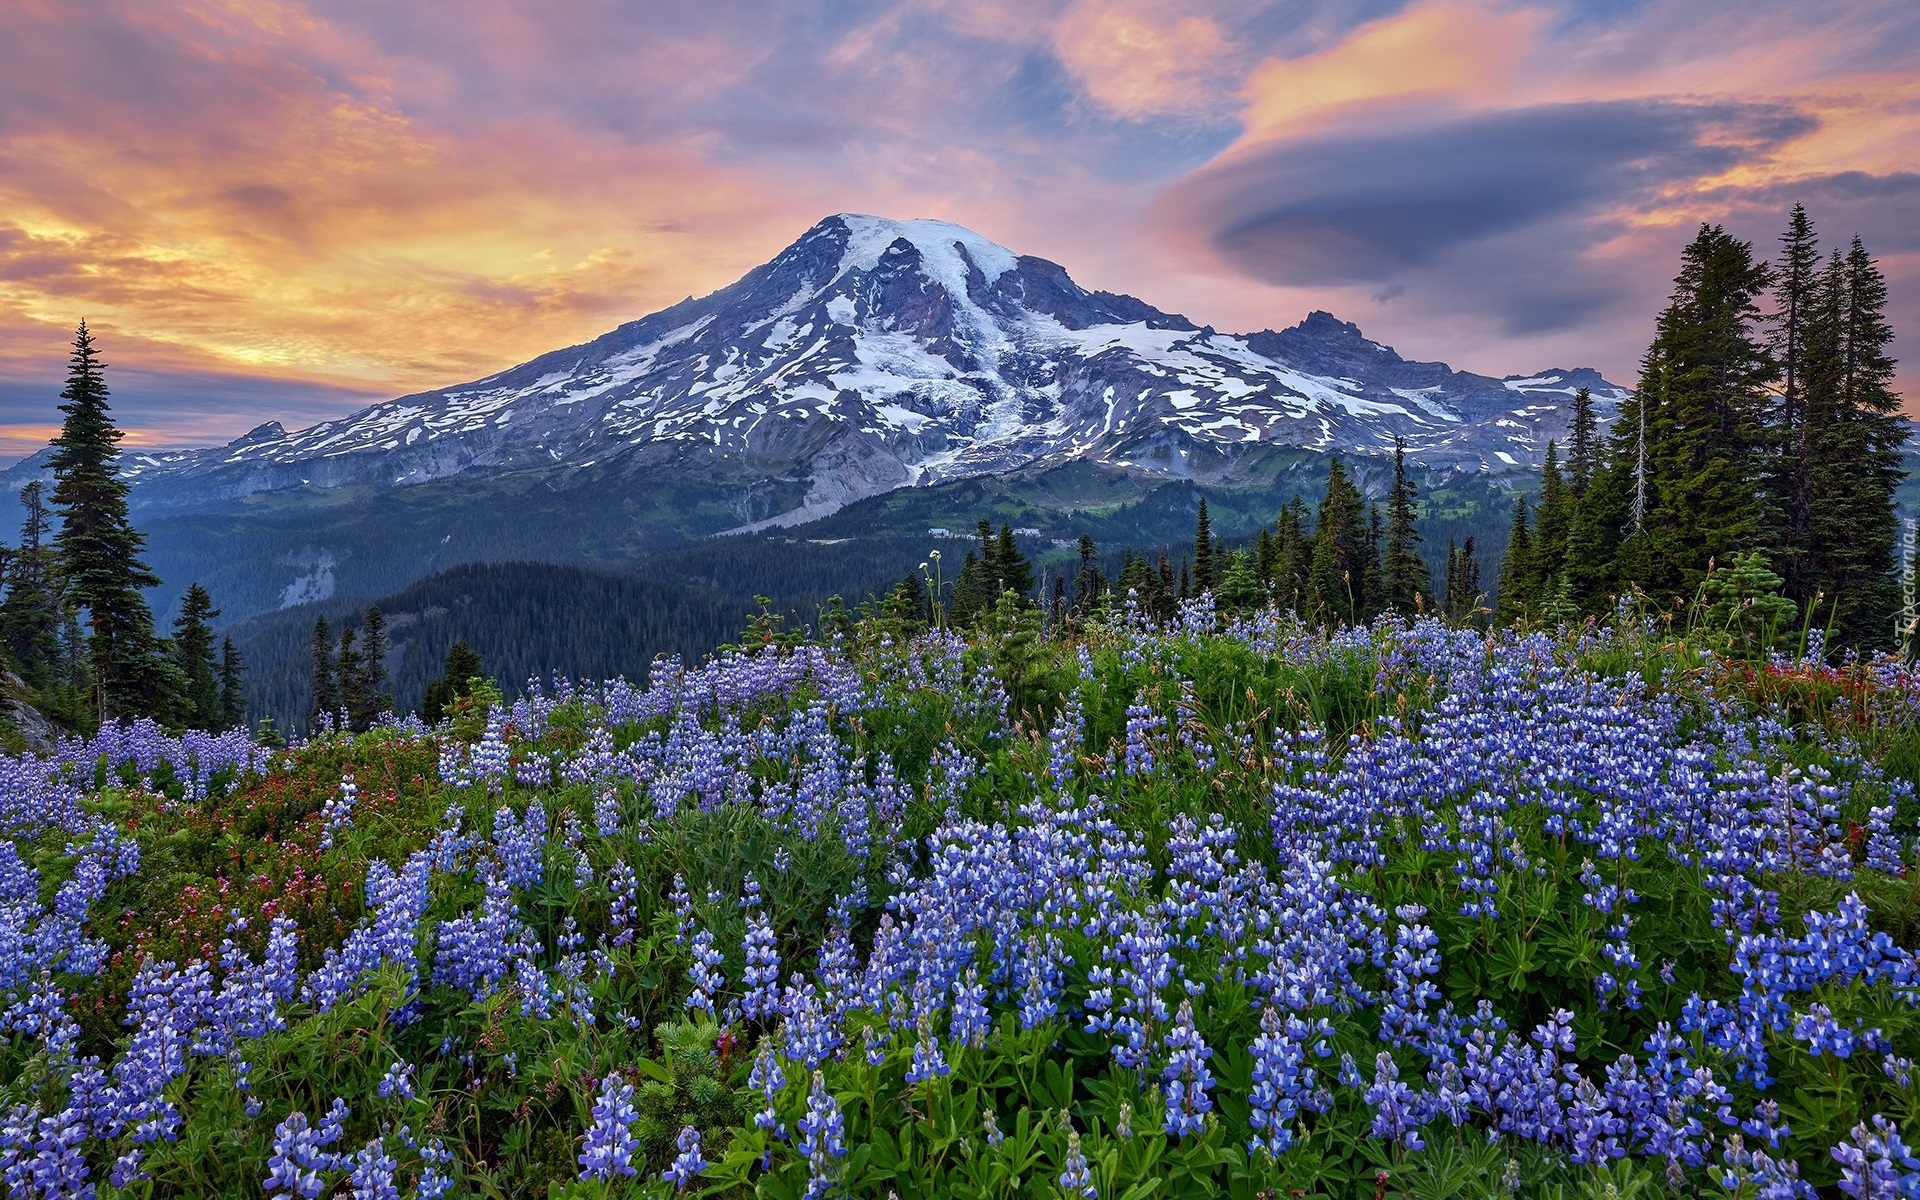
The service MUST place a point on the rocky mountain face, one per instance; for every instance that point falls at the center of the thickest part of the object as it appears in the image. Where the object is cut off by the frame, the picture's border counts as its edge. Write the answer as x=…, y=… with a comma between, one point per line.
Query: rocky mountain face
x=874, y=354
x=869, y=357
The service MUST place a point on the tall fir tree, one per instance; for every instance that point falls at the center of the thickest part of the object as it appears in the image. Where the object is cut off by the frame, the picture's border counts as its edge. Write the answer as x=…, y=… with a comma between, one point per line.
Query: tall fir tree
x=1516, y=598
x=1372, y=593
x=992, y=574
x=968, y=596
x=233, y=692
x=1792, y=339
x=30, y=617
x=1702, y=402
x=1162, y=605
x=348, y=664
x=1015, y=570
x=1855, y=435
x=1601, y=517
x=1337, y=576
x=1293, y=556
x=193, y=650
x=326, y=675
x=1463, y=583
x=1583, y=444
x=1088, y=583
x=1406, y=581
x=374, y=699
x=1202, y=551
x=99, y=549
x=1551, y=526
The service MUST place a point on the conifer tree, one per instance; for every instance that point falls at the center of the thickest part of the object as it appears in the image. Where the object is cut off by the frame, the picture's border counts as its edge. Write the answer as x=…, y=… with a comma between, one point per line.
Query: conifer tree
x=1556, y=604
x=372, y=647
x=233, y=696
x=1601, y=516
x=1583, y=444
x=1463, y=583
x=193, y=650
x=992, y=573
x=1372, y=593
x=74, y=657
x=458, y=672
x=350, y=667
x=1450, y=589
x=1015, y=570
x=1551, y=526
x=100, y=549
x=969, y=592
x=1202, y=551
x=1516, y=599
x=1702, y=402
x=1136, y=579
x=1293, y=556
x=906, y=603
x=1855, y=434
x=1239, y=589
x=1746, y=614
x=1338, y=571
x=1792, y=340
x=326, y=676
x=1087, y=583
x=1405, y=578
x=30, y=617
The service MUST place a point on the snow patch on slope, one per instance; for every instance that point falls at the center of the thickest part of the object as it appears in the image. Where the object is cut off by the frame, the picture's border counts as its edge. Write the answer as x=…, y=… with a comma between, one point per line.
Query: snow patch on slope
x=870, y=237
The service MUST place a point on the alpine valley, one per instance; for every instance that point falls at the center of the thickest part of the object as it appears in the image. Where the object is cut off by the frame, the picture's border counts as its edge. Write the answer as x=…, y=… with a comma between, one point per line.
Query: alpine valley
x=876, y=379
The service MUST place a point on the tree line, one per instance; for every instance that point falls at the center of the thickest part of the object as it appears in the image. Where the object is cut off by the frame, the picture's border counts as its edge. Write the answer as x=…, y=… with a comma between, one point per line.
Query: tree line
x=1753, y=469
x=1759, y=440
x=75, y=625
x=1347, y=560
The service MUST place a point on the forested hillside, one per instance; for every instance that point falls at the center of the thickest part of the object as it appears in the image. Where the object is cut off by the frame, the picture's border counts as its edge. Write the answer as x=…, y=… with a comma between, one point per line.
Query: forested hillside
x=688, y=599
x=524, y=619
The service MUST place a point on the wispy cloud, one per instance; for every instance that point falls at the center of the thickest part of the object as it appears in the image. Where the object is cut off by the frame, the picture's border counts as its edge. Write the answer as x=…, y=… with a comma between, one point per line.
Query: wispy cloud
x=1510, y=183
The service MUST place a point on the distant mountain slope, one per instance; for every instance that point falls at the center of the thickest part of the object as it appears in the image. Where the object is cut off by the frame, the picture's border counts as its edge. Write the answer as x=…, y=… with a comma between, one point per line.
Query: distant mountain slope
x=532, y=618
x=868, y=356
x=874, y=353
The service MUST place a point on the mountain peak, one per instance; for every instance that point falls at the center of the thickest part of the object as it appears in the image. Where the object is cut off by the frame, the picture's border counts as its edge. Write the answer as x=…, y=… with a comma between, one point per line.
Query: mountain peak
x=875, y=353
x=948, y=253
x=1322, y=322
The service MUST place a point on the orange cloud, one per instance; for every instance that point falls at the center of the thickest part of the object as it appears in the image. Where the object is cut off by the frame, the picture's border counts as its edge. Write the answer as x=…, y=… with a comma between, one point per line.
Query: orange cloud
x=1145, y=59
x=261, y=218
x=1456, y=53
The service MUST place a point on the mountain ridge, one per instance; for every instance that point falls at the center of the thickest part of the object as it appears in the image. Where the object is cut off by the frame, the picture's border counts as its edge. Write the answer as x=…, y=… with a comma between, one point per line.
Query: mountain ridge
x=872, y=354
x=869, y=356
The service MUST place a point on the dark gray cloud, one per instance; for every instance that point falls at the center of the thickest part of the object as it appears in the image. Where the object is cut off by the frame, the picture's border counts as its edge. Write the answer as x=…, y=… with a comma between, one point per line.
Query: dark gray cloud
x=1366, y=208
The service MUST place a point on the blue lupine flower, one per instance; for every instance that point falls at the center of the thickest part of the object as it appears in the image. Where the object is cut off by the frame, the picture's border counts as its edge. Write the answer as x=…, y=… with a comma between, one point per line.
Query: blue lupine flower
x=1186, y=1077
x=1077, y=1179
x=685, y=1170
x=610, y=1142
x=822, y=1139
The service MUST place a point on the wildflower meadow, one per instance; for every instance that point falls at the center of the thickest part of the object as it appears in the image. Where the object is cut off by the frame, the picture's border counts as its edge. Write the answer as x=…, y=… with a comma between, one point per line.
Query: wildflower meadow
x=1212, y=907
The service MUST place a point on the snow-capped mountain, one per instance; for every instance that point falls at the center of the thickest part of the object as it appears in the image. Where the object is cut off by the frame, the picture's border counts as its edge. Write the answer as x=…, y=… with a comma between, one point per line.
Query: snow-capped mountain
x=873, y=354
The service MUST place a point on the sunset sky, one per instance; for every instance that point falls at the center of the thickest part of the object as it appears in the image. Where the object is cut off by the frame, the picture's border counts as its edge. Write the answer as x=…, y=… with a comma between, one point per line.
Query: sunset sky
x=281, y=210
